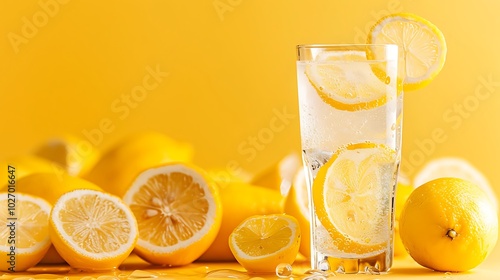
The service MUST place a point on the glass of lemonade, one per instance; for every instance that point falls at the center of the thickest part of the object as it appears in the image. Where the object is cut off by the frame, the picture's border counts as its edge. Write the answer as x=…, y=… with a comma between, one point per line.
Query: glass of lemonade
x=350, y=103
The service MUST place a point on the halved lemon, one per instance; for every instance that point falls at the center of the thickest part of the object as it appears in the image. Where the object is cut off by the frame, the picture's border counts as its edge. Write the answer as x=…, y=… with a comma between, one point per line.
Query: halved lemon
x=50, y=186
x=352, y=196
x=422, y=47
x=25, y=231
x=178, y=209
x=92, y=230
x=339, y=84
x=262, y=242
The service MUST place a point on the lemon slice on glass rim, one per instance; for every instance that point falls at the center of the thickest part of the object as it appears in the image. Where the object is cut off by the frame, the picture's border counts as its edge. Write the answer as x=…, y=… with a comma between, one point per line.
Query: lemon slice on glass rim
x=422, y=47
x=338, y=84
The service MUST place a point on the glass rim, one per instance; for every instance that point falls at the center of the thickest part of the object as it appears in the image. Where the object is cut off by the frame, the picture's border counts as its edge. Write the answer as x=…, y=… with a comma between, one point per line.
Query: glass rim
x=318, y=46
x=308, y=52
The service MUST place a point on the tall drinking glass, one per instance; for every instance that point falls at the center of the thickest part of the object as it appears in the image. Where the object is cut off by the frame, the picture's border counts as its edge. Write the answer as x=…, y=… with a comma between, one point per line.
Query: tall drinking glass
x=350, y=121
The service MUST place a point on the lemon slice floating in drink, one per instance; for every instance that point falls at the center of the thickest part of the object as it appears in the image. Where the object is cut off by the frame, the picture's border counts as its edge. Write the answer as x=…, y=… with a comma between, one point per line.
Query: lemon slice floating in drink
x=422, y=47
x=338, y=84
x=347, y=195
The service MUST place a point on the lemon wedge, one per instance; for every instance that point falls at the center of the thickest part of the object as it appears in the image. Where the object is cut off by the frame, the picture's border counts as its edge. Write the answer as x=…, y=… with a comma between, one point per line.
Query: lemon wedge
x=262, y=242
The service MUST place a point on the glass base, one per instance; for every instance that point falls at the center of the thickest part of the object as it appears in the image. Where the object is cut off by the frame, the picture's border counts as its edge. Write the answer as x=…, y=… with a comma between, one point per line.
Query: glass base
x=379, y=264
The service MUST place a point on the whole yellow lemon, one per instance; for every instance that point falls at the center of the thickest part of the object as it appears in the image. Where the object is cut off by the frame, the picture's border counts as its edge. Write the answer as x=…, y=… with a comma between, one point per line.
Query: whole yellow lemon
x=50, y=186
x=240, y=201
x=402, y=193
x=449, y=224
x=118, y=166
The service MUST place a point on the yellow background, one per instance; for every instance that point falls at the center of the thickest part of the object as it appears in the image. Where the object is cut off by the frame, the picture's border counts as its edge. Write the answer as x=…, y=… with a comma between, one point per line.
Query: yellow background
x=69, y=65
x=228, y=75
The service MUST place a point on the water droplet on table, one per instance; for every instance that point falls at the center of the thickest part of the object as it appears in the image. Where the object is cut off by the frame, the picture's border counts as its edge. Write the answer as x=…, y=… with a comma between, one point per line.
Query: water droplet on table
x=315, y=277
x=319, y=274
x=227, y=273
x=107, y=277
x=324, y=265
x=141, y=274
x=284, y=270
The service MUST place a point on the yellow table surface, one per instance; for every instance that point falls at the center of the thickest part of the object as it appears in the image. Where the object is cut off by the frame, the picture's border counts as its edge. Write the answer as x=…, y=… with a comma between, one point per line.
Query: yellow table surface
x=135, y=268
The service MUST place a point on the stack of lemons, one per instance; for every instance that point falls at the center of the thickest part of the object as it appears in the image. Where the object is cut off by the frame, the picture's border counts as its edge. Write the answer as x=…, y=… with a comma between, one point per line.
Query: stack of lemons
x=92, y=209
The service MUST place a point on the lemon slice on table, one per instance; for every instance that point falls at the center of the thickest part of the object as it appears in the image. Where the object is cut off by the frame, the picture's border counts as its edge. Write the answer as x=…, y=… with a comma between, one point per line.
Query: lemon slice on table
x=178, y=209
x=30, y=231
x=92, y=230
x=348, y=194
x=262, y=242
x=339, y=84
x=422, y=47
